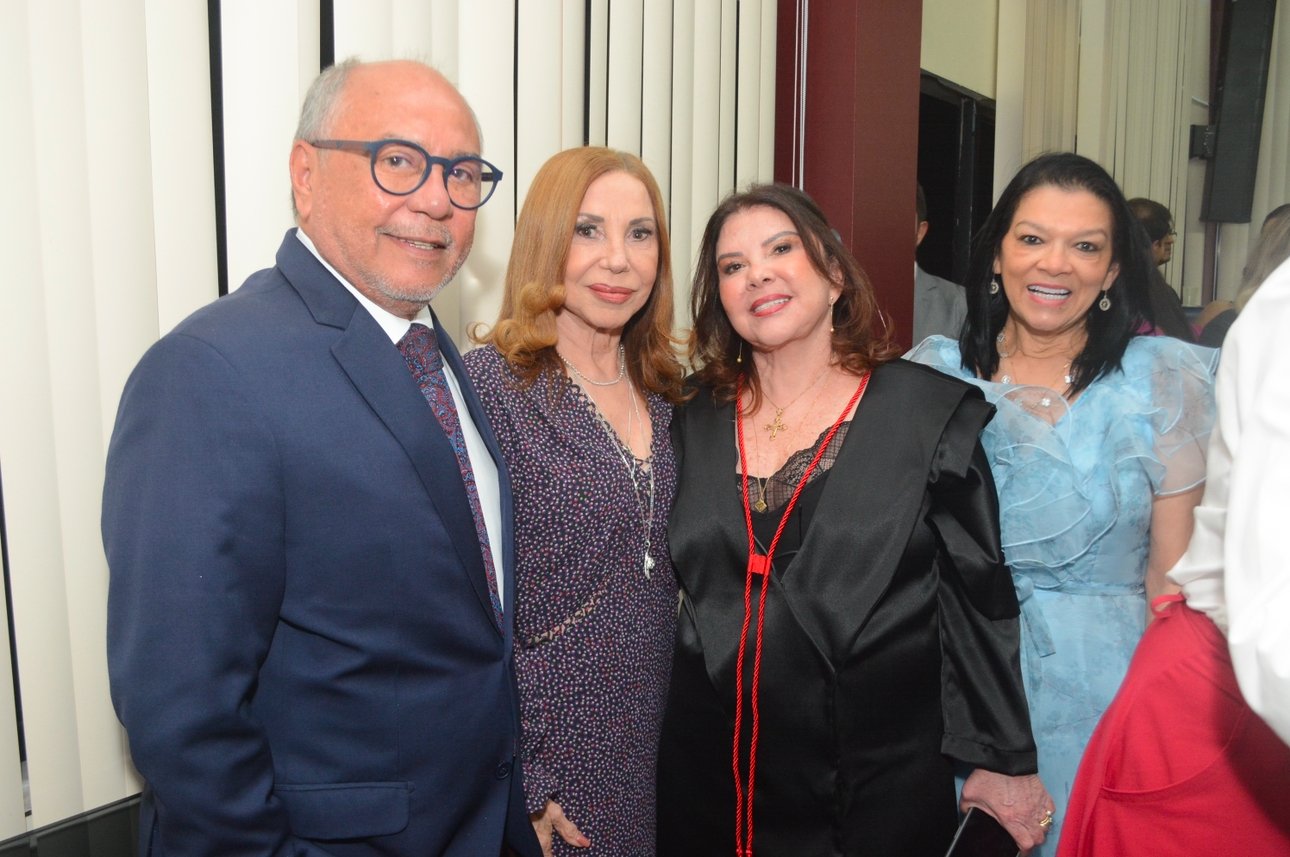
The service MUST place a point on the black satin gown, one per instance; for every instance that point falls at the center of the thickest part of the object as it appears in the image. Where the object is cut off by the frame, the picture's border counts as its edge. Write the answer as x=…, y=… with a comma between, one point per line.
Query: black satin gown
x=890, y=640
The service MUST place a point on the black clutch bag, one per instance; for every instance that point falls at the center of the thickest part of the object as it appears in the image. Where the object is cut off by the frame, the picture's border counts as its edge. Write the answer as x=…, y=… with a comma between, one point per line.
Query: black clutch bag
x=980, y=835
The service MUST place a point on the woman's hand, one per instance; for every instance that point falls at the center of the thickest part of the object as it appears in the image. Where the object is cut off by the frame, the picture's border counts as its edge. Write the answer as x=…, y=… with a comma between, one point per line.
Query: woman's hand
x=1021, y=804
x=551, y=819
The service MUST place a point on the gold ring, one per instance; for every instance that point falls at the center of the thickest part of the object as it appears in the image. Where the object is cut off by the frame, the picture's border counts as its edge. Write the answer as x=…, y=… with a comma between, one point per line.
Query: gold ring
x=1047, y=820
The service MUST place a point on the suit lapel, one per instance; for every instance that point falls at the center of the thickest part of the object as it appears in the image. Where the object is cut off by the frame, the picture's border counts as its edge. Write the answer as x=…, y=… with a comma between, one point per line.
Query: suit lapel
x=377, y=371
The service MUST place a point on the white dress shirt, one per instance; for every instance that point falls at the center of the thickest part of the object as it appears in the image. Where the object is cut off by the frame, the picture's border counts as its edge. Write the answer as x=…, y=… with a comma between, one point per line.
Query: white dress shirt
x=1237, y=566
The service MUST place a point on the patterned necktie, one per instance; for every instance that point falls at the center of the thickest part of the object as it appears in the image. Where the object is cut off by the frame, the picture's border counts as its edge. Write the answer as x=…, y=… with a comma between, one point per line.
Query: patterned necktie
x=420, y=350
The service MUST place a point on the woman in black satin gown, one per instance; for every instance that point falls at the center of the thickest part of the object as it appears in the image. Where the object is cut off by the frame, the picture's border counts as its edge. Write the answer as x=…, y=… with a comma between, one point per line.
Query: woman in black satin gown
x=823, y=697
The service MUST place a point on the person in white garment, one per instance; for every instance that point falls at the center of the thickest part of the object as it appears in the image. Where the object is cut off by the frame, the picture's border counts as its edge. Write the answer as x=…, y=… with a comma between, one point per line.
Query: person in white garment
x=1195, y=747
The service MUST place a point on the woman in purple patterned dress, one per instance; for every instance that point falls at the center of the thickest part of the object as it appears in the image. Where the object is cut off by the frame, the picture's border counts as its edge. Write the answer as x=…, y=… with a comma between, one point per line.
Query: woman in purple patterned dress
x=578, y=377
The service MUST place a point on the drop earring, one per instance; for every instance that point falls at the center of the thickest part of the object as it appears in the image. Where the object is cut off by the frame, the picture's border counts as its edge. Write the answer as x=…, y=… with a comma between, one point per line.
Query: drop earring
x=1105, y=303
x=831, y=315
x=994, y=285
x=739, y=358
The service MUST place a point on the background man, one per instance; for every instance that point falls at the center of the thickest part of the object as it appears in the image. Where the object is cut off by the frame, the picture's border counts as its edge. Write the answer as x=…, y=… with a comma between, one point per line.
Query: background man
x=308, y=527
x=939, y=305
x=1166, y=306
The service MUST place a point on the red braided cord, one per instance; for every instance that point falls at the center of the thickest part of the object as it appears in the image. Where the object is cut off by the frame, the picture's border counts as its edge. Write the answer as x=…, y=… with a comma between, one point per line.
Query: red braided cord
x=740, y=811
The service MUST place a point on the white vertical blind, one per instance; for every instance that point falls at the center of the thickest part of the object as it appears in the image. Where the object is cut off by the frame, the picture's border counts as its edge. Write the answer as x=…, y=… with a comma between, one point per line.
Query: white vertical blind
x=183, y=192
x=727, y=92
x=487, y=79
x=1010, y=89
x=118, y=186
x=542, y=98
x=31, y=514
x=42, y=544
x=269, y=55
x=597, y=73
x=749, y=80
x=683, y=154
x=656, y=96
x=109, y=238
x=626, y=52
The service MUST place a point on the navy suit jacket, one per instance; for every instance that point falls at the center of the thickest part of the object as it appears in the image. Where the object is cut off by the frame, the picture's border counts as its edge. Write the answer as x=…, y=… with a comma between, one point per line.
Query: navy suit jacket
x=300, y=641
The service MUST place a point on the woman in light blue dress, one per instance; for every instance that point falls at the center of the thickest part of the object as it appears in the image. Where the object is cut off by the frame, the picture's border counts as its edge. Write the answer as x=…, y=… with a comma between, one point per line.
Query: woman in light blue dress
x=1098, y=444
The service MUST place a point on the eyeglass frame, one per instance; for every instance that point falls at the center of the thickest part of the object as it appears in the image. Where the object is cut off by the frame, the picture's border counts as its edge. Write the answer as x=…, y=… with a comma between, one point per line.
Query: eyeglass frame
x=372, y=147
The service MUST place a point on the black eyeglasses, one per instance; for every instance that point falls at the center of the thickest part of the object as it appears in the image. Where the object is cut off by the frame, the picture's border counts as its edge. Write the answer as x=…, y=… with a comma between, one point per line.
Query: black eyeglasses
x=400, y=167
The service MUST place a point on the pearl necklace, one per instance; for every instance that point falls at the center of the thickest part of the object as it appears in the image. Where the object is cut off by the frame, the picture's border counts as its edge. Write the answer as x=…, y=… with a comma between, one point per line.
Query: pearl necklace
x=1006, y=378
x=622, y=370
x=646, y=510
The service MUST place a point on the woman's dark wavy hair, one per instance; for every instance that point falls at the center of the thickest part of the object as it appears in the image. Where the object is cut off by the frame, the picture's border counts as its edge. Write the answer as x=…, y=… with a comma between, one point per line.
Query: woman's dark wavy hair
x=714, y=344
x=1109, y=331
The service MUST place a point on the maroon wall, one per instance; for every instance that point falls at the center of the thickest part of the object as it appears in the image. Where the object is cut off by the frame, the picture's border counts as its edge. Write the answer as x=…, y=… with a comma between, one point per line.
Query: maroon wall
x=861, y=139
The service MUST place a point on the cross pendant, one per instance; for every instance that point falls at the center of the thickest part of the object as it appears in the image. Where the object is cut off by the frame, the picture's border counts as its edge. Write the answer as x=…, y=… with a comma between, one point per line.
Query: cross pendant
x=776, y=425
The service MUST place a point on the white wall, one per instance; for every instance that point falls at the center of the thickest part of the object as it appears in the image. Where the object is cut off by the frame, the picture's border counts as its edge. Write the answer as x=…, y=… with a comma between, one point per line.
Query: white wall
x=107, y=229
x=959, y=42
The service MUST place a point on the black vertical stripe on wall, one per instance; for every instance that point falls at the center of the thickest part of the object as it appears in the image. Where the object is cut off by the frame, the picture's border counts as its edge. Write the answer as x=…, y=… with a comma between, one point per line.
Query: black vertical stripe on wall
x=514, y=189
x=13, y=642
x=586, y=73
x=217, y=140
x=609, y=29
x=326, y=34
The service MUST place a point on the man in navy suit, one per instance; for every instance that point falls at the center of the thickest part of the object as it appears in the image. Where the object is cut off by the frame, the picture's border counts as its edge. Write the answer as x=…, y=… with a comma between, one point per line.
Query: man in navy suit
x=309, y=618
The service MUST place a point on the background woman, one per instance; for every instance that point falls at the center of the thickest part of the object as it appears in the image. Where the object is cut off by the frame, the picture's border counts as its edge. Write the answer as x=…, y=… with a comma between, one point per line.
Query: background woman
x=1166, y=310
x=578, y=378
x=1098, y=447
x=847, y=627
x=1272, y=248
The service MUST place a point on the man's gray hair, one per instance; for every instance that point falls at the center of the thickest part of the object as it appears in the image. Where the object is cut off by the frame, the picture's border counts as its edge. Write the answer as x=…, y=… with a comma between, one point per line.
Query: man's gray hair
x=320, y=101
x=319, y=105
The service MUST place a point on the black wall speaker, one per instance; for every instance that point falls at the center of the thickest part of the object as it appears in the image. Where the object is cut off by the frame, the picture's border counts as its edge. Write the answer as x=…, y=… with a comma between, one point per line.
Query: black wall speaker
x=1237, y=113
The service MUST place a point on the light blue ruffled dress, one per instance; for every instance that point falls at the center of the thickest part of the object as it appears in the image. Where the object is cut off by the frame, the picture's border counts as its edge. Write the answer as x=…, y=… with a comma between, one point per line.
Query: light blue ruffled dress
x=1076, y=482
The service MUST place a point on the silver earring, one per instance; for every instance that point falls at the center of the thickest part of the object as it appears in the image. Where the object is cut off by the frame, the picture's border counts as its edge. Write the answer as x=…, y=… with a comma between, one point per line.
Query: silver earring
x=1105, y=303
x=994, y=285
x=740, y=357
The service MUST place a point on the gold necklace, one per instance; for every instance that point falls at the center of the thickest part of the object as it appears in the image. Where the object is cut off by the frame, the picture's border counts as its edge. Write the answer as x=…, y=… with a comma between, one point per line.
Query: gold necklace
x=777, y=425
x=760, y=505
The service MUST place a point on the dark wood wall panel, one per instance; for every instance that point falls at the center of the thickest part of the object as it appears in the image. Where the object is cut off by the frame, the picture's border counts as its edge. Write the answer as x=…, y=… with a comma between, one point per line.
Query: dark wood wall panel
x=860, y=153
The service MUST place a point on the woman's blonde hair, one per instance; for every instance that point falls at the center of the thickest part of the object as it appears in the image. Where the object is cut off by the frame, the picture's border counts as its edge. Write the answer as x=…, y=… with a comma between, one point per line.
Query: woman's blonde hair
x=1272, y=248
x=525, y=332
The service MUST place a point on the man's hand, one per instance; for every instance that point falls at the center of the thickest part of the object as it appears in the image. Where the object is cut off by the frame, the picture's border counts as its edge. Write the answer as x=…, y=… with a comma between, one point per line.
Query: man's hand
x=1021, y=804
x=550, y=819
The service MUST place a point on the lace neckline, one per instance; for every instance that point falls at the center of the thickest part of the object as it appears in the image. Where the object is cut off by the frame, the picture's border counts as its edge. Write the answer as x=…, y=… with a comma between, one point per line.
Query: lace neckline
x=776, y=489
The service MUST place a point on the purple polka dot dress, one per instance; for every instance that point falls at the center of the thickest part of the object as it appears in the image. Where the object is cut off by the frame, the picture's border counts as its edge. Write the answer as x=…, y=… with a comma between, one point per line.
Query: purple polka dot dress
x=593, y=632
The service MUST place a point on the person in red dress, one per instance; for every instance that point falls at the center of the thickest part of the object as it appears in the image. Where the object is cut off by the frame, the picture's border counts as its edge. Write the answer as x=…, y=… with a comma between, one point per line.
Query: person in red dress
x=1180, y=764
